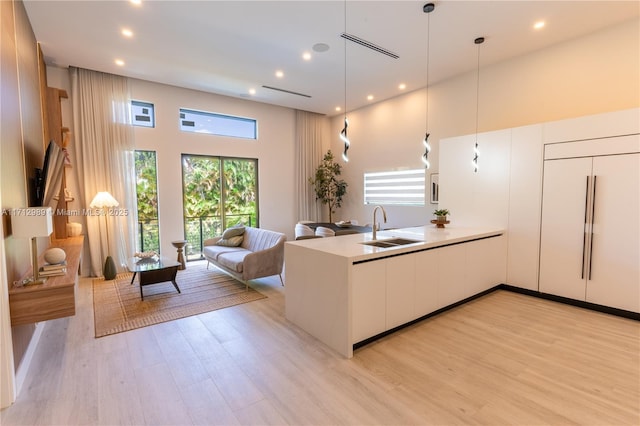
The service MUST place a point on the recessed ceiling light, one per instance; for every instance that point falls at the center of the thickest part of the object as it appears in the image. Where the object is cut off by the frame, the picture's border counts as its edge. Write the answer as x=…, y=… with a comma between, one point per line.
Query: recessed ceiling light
x=127, y=32
x=320, y=47
x=306, y=56
x=136, y=2
x=279, y=74
x=119, y=62
x=402, y=86
x=338, y=108
x=370, y=97
x=538, y=25
x=252, y=91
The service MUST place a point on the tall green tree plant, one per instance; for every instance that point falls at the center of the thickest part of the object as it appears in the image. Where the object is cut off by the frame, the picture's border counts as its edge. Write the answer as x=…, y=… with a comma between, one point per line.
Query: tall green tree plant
x=328, y=187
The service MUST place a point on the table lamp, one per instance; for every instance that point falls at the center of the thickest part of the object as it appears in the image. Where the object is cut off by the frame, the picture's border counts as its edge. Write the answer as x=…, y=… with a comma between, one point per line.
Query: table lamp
x=33, y=222
x=103, y=201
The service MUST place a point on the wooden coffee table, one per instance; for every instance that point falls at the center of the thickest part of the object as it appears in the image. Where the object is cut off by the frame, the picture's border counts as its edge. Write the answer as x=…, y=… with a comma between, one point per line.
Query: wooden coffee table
x=153, y=270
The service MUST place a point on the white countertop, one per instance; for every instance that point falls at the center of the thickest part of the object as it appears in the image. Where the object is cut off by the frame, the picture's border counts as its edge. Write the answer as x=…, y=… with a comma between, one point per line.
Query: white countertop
x=349, y=246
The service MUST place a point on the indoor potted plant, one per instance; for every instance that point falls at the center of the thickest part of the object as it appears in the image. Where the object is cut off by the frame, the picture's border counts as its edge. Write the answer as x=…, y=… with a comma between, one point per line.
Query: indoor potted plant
x=441, y=215
x=329, y=189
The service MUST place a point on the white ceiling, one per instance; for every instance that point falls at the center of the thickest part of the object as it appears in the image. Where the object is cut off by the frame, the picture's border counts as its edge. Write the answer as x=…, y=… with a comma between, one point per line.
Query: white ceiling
x=228, y=47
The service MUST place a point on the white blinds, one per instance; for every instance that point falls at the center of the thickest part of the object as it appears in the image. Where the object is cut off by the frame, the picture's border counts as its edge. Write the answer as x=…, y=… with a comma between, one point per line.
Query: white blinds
x=400, y=187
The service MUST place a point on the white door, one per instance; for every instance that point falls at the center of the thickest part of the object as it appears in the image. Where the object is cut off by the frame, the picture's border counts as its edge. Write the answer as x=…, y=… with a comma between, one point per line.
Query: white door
x=614, y=274
x=564, y=240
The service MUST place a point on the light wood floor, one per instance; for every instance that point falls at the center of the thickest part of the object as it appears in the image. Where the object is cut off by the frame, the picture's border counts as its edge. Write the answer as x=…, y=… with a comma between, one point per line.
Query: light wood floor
x=502, y=359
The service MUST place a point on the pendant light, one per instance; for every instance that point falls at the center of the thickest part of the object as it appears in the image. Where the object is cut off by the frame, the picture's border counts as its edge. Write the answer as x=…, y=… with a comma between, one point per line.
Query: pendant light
x=343, y=133
x=476, y=152
x=427, y=8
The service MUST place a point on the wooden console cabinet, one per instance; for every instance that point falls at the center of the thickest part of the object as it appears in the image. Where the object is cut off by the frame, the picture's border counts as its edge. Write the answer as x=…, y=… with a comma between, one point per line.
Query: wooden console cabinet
x=53, y=299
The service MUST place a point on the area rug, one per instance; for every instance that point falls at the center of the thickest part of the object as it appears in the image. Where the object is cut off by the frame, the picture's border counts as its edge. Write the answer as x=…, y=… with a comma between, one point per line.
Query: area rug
x=117, y=306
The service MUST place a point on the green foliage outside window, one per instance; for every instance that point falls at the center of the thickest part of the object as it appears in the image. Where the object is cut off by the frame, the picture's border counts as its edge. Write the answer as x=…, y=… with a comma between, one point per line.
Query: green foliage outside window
x=215, y=200
x=147, y=197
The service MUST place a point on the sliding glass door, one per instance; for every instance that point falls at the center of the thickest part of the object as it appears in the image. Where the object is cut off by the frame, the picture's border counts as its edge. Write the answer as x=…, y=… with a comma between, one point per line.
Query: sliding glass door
x=218, y=192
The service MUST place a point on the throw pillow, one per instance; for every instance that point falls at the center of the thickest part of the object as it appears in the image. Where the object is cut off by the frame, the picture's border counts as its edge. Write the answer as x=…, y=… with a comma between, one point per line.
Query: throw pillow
x=233, y=232
x=234, y=241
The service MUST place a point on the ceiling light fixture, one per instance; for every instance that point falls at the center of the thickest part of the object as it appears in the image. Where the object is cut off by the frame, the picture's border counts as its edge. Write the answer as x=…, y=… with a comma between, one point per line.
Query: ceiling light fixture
x=127, y=32
x=539, y=25
x=252, y=91
x=370, y=97
x=136, y=2
x=119, y=62
x=279, y=74
x=402, y=86
x=427, y=8
x=343, y=133
x=306, y=56
x=476, y=152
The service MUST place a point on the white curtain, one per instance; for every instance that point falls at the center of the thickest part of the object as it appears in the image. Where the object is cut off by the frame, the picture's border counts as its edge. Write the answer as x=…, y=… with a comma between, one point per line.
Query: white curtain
x=105, y=162
x=311, y=132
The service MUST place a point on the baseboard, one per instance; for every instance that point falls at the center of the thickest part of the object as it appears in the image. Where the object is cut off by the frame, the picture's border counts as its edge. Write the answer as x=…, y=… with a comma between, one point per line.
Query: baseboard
x=23, y=368
x=586, y=305
x=579, y=303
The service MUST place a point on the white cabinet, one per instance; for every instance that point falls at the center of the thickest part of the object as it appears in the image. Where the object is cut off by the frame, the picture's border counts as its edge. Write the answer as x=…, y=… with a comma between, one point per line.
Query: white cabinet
x=368, y=300
x=590, y=236
x=525, y=196
x=401, y=284
x=451, y=274
x=393, y=291
x=426, y=291
x=486, y=264
x=614, y=275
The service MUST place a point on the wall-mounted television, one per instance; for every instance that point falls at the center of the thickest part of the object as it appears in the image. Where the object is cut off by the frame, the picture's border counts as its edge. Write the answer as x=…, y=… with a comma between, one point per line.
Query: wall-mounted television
x=49, y=178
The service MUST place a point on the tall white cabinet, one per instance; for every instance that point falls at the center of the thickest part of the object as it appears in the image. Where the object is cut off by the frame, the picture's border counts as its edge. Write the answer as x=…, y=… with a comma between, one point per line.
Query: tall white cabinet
x=537, y=181
x=590, y=231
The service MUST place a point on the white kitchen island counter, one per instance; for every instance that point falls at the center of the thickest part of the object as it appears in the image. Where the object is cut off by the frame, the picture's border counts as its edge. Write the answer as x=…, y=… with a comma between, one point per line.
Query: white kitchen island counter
x=344, y=292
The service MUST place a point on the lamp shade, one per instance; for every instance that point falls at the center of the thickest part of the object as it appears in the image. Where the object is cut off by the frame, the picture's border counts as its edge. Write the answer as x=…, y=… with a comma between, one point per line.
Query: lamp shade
x=102, y=200
x=32, y=222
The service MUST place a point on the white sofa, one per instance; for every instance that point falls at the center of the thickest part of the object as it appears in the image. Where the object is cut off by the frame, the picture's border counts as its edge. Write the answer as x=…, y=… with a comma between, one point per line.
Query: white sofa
x=261, y=254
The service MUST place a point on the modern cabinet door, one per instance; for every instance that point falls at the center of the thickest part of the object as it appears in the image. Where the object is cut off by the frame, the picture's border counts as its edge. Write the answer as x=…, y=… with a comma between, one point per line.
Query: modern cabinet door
x=451, y=274
x=426, y=294
x=590, y=237
x=401, y=281
x=486, y=264
x=563, y=240
x=613, y=278
x=368, y=300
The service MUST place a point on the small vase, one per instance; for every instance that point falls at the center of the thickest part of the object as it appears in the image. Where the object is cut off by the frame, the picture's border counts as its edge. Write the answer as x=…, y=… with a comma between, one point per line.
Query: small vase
x=441, y=218
x=109, y=270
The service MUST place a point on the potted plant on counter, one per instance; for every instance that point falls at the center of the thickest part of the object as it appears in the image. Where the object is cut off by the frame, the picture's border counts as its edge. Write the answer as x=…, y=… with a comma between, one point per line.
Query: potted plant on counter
x=441, y=217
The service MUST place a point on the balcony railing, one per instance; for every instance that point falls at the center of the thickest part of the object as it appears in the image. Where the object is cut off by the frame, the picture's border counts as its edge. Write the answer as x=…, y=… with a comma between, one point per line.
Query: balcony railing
x=200, y=228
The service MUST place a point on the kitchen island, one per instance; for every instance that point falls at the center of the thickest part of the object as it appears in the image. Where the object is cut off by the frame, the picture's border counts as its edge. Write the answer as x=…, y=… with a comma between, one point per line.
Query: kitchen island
x=344, y=291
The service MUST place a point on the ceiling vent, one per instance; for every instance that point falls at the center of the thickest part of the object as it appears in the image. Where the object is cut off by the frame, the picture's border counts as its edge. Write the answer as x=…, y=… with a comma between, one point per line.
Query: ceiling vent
x=287, y=91
x=369, y=45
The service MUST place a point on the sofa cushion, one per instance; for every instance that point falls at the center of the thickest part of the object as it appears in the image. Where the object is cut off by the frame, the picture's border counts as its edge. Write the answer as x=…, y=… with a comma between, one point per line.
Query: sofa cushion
x=233, y=232
x=213, y=252
x=234, y=241
x=233, y=260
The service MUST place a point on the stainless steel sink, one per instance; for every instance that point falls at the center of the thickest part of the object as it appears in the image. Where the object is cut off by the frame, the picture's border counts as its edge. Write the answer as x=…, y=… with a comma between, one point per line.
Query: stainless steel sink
x=391, y=242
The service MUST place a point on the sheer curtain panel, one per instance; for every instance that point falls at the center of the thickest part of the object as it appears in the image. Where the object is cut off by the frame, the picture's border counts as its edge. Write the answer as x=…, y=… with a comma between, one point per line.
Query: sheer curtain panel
x=311, y=131
x=105, y=162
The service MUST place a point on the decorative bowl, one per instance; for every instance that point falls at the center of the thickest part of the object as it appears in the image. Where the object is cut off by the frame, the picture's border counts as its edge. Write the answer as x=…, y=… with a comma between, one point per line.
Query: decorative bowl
x=146, y=254
x=343, y=224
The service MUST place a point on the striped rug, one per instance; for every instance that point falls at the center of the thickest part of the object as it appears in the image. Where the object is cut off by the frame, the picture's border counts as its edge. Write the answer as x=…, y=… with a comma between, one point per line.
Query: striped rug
x=117, y=306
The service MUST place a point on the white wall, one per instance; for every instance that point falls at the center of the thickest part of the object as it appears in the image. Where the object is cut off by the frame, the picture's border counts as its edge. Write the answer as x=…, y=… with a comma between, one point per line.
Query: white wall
x=274, y=150
x=593, y=74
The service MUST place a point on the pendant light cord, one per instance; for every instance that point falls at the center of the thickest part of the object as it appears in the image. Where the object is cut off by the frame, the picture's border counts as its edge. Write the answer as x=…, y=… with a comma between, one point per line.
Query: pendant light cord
x=478, y=84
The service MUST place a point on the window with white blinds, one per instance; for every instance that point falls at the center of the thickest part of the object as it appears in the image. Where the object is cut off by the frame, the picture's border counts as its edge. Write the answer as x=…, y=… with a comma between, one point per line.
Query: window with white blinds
x=399, y=187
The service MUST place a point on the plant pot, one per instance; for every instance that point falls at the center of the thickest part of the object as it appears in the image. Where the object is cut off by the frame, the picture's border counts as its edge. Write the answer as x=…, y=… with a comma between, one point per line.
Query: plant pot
x=441, y=218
